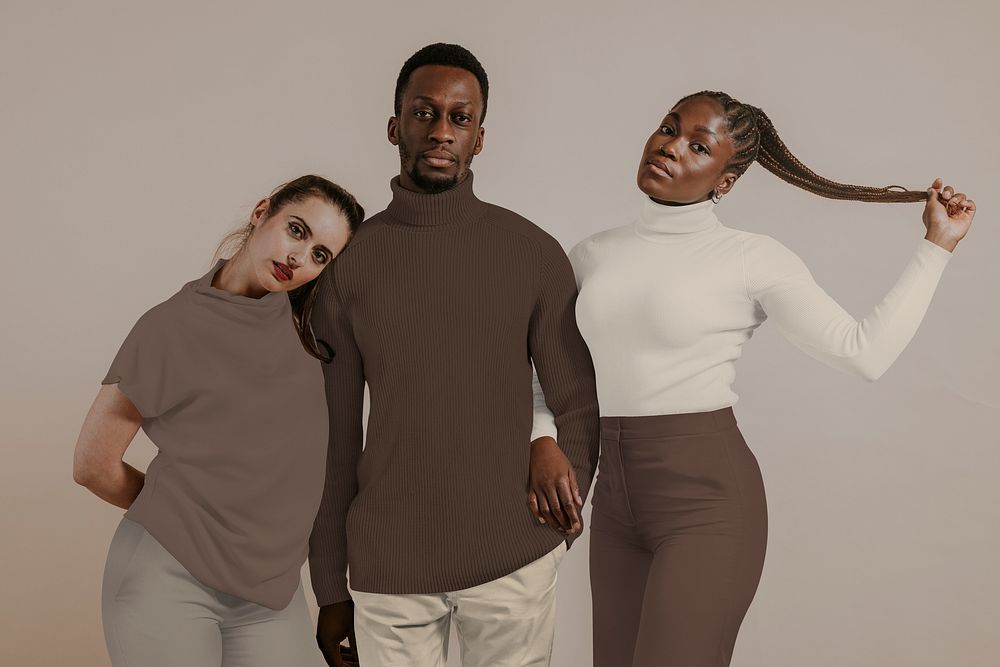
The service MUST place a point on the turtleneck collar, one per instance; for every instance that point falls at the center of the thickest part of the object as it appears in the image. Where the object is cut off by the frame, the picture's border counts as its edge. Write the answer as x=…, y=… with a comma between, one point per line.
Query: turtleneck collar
x=658, y=222
x=275, y=302
x=418, y=209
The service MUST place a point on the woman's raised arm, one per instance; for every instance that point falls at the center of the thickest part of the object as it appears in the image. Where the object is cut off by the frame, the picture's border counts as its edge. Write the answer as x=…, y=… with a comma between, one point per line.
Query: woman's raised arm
x=805, y=314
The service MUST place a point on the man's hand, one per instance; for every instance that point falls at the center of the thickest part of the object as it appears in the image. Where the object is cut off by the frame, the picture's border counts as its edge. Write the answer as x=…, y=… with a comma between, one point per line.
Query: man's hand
x=336, y=622
x=553, y=493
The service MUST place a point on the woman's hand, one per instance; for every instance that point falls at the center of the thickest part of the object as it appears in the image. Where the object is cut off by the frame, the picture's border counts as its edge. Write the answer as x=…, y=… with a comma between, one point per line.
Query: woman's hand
x=947, y=215
x=553, y=492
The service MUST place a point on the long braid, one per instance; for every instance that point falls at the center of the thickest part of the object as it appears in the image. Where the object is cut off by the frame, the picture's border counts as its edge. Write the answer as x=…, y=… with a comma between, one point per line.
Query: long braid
x=755, y=139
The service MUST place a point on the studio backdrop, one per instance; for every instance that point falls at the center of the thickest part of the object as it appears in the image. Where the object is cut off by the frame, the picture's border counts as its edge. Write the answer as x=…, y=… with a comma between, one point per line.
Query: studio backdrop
x=134, y=135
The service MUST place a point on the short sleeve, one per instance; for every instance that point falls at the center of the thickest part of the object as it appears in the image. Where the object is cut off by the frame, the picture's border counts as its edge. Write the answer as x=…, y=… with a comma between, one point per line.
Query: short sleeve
x=141, y=369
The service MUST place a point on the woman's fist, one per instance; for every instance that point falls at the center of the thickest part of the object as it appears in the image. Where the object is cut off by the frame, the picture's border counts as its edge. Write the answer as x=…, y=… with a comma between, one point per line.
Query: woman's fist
x=947, y=215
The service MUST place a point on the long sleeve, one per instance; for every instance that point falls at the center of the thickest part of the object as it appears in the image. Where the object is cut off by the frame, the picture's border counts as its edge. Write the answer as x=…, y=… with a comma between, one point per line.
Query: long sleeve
x=543, y=421
x=805, y=314
x=563, y=364
x=345, y=382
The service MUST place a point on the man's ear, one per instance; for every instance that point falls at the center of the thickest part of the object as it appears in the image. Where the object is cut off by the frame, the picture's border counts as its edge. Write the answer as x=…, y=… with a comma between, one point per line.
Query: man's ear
x=392, y=131
x=479, y=141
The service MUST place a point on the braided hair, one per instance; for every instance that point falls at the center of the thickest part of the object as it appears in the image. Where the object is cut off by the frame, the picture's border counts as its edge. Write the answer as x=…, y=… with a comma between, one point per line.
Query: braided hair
x=755, y=139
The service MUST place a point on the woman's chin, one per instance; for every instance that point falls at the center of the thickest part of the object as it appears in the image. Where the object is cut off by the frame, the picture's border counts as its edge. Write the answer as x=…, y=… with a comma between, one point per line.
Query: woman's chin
x=654, y=190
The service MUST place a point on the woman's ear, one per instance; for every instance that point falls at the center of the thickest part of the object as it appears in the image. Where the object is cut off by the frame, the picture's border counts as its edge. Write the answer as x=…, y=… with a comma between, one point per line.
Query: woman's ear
x=260, y=211
x=726, y=182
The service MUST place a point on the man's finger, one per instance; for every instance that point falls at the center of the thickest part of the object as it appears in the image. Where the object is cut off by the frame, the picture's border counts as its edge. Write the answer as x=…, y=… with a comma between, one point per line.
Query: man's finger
x=332, y=656
x=352, y=638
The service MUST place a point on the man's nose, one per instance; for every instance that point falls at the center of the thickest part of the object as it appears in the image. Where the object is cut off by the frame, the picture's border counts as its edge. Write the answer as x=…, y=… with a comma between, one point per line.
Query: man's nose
x=441, y=132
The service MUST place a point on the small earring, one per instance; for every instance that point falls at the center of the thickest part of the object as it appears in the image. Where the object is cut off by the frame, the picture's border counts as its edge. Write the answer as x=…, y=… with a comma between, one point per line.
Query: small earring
x=716, y=197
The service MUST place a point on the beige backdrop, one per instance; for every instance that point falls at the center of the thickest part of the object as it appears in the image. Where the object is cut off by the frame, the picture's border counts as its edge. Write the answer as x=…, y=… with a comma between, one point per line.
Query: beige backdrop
x=134, y=135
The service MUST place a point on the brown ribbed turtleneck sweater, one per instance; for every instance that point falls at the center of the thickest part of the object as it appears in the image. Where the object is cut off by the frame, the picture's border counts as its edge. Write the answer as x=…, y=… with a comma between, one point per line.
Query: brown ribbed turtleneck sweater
x=440, y=303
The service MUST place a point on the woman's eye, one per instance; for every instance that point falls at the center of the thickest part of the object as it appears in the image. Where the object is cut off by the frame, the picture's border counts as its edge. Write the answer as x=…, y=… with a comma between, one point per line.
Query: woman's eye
x=320, y=257
x=700, y=149
x=296, y=230
x=666, y=129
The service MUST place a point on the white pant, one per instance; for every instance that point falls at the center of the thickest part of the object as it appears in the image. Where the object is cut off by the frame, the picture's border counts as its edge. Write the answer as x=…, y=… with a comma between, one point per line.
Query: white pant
x=506, y=622
x=157, y=615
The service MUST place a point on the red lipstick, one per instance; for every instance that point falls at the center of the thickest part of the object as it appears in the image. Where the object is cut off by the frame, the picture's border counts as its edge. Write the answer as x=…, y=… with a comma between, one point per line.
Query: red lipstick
x=282, y=272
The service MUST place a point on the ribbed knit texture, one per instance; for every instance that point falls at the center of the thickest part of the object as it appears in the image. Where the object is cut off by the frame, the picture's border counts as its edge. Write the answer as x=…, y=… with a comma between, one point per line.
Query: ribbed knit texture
x=666, y=304
x=440, y=303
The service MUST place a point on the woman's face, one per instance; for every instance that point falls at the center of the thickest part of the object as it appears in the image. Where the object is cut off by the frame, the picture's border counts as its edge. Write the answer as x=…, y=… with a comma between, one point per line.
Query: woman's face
x=683, y=160
x=292, y=245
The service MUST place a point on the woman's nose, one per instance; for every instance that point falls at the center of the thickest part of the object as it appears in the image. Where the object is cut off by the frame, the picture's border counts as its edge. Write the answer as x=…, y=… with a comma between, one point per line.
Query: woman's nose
x=667, y=149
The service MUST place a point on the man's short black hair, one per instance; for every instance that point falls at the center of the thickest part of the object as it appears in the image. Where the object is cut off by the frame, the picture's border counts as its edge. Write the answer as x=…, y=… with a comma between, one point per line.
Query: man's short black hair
x=449, y=55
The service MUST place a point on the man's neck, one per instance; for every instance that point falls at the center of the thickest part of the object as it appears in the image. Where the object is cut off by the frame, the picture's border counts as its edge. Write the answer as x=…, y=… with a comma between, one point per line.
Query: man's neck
x=407, y=183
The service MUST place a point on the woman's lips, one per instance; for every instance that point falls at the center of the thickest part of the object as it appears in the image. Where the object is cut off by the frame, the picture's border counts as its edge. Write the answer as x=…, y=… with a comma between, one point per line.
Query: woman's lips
x=658, y=170
x=282, y=272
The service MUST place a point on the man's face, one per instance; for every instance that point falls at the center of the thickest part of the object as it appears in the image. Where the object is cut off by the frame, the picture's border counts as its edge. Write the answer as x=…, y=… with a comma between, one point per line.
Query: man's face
x=438, y=128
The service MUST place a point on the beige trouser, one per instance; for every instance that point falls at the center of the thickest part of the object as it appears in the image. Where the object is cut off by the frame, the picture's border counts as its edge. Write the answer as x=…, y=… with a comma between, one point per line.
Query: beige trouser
x=157, y=615
x=505, y=622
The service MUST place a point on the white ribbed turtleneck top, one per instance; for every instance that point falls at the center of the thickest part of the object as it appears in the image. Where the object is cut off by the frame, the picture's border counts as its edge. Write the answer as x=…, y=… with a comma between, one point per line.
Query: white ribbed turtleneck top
x=667, y=302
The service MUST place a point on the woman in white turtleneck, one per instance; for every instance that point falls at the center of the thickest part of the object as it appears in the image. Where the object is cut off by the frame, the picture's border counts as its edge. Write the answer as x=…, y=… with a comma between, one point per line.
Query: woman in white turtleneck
x=679, y=523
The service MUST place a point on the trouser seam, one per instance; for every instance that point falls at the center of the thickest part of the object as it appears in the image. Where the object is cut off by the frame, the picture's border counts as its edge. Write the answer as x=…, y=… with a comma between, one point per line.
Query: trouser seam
x=742, y=533
x=621, y=467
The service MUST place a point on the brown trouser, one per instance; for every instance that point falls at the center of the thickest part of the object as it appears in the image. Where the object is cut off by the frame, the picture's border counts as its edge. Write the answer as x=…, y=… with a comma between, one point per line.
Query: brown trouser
x=677, y=540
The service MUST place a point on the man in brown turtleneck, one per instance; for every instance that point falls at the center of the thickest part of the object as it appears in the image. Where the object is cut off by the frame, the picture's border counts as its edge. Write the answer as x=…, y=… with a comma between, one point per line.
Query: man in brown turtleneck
x=440, y=304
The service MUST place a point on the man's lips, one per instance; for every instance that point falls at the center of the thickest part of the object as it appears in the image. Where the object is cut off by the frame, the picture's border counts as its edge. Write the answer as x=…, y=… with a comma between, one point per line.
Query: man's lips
x=438, y=158
x=659, y=168
x=281, y=271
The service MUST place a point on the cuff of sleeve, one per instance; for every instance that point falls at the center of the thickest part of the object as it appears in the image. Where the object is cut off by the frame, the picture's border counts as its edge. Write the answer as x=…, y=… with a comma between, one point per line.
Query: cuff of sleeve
x=933, y=252
x=552, y=433
x=337, y=592
x=544, y=425
x=133, y=393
